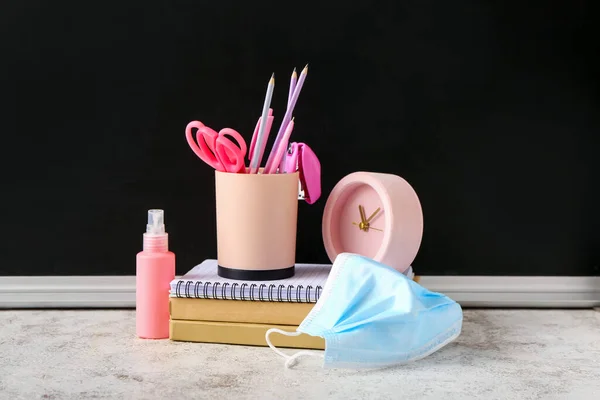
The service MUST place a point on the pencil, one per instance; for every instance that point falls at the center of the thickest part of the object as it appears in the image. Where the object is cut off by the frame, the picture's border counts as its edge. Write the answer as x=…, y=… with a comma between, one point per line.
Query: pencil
x=293, y=80
x=255, y=162
x=286, y=118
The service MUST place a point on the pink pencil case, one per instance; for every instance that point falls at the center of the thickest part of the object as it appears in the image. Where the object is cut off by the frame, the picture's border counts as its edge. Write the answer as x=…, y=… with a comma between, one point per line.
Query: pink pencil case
x=301, y=158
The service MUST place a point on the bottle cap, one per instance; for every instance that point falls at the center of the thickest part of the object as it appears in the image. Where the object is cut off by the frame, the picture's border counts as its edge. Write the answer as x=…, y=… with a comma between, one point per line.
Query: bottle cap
x=156, y=222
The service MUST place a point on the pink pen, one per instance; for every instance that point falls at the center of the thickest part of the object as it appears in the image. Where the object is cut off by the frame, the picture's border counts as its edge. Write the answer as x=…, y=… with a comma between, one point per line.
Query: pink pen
x=281, y=149
x=262, y=145
x=154, y=272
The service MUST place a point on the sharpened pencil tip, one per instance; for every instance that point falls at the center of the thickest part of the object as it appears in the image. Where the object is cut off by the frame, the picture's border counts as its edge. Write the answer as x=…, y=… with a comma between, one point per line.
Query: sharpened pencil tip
x=305, y=70
x=272, y=80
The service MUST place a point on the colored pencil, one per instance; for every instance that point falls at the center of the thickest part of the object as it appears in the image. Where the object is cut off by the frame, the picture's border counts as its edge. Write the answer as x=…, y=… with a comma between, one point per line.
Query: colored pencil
x=260, y=140
x=293, y=80
x=286, y=120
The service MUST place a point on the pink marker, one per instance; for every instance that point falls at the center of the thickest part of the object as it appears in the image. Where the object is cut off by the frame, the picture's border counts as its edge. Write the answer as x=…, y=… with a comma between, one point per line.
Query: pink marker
x=262, y=144
x=281, y=148
x=154, y=272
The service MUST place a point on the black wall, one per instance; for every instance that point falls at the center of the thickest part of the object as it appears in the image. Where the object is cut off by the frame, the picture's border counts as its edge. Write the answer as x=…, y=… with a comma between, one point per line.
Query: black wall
x=489, y=110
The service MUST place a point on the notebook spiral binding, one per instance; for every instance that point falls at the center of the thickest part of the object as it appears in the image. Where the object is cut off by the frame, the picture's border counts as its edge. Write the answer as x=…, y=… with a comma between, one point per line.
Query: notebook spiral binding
x=256, y=292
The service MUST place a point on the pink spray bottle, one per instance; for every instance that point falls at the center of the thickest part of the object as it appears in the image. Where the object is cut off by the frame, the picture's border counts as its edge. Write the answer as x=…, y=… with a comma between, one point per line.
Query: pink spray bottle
x=154, y=272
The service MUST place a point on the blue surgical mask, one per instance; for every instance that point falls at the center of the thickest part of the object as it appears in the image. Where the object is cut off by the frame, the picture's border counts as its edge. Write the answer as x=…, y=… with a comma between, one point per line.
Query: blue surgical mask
x=371, y=316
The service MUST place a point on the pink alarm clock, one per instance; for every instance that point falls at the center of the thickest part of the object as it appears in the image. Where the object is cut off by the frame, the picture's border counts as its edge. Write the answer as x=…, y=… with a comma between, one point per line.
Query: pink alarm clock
x=375, y=215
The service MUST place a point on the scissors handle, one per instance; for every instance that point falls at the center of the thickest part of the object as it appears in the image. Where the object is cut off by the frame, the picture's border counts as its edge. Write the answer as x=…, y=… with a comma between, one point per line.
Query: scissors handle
x=204, y=144
x=231, y=154
x=216, y=149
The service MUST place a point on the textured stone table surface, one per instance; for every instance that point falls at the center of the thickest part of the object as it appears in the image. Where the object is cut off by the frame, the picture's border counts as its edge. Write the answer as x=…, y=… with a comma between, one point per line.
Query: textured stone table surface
x=501, y=354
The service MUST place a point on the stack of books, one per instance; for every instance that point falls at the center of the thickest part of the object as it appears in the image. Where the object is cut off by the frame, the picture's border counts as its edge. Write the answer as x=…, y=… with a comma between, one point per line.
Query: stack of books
x=207, y=308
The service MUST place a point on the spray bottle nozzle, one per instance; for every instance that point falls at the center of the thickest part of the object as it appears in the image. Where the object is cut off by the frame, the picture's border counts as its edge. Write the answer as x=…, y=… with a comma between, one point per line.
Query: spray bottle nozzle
x=156, y=222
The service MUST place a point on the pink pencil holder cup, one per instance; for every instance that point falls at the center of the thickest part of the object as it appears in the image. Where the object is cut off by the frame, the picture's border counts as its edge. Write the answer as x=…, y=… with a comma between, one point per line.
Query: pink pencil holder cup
x=257, y=218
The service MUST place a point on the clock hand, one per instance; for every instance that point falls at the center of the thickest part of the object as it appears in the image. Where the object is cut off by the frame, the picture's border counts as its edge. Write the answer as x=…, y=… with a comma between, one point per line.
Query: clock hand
x=366, y=228
x=363, y=217
x=373, y=215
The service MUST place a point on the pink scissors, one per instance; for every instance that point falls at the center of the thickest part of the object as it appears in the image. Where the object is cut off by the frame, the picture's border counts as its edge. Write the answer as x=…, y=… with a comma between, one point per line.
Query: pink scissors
x=216, y=149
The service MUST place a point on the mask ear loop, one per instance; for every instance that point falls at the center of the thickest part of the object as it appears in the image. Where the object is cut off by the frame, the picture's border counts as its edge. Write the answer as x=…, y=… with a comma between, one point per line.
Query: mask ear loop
x=290, y=360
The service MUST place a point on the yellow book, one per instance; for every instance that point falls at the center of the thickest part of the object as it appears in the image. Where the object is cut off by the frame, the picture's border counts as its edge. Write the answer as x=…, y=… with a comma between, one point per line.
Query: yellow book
x=258, y=312
x=240, y=334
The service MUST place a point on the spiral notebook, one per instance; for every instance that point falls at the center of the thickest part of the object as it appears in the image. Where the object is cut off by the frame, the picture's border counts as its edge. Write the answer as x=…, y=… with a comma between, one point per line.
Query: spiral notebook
x=305, y=286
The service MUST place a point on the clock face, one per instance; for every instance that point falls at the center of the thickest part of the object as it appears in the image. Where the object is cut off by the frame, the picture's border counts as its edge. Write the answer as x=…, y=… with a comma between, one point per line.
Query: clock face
x=358, y=221
x=375, y=215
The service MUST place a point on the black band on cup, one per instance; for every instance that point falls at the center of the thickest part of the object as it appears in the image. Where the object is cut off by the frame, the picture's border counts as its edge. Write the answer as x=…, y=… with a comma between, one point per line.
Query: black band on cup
x=256, y=275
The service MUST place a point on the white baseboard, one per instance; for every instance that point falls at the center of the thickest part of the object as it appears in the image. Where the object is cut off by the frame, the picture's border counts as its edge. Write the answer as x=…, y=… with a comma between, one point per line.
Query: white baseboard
x=469, y=291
